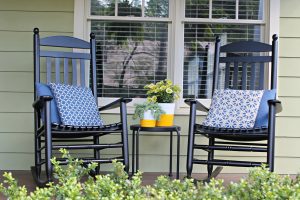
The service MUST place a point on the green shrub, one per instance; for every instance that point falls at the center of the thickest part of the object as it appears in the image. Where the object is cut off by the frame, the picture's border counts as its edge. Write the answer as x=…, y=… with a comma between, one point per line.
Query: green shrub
x=260, y=184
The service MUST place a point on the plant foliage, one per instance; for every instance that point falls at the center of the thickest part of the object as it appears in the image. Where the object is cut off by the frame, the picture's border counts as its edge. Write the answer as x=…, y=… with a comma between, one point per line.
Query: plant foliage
x=140, y=109
x=163, y=92
x=260, y=184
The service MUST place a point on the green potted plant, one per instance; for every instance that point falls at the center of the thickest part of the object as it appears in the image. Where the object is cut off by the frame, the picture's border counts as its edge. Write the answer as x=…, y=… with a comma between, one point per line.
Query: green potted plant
x=148, y=112
x=165, y=94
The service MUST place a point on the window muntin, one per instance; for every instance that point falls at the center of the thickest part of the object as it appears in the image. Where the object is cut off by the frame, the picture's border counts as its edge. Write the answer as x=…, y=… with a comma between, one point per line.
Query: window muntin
x=224, y=9
x=130, y=8
x=251, y=9
x=156, y=8
x=197, y=9
x=102, y=8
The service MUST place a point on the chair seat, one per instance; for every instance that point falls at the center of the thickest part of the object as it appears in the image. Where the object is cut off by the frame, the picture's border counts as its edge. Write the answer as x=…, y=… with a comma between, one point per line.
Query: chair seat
x=254, y=134
x=68, y=131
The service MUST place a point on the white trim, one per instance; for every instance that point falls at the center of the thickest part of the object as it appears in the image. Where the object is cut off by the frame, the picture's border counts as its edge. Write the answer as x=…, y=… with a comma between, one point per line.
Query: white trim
x=125, y=18
x=143, y=8
x=116, y=8
x=171, y=37
x=274, y=18
x=178, y=47
x=223, y=21
x=210, y=10
x=274, y=27
x=237, y=9
x=79, y=19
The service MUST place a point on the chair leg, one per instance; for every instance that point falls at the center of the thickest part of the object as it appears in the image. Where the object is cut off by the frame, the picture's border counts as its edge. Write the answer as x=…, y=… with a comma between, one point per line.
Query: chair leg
x=125, y=151
x=210, y=157
x=271, y=139
x=191, y=141
x=48, y=156
x=97, y=154
x=48, y=143
x=270, y=153
x=38, y=156
x=190, y=155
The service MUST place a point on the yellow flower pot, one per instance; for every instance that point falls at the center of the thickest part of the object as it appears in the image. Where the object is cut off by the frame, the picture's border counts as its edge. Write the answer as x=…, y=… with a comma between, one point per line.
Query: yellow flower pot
x=148, y=120
x=166, y=119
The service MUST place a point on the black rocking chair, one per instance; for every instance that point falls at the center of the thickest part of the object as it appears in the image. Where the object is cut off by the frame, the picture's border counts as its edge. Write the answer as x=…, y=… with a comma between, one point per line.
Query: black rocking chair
x=49, y=136
x=244, y=67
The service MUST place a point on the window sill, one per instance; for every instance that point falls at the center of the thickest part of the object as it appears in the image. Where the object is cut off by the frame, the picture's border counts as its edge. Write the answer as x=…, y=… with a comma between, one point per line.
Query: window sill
x=181, y=108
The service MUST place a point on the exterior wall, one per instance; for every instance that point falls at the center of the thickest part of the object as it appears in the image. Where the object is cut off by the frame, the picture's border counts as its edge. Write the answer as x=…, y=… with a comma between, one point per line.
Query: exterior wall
x=288, y=139
x=18, y=18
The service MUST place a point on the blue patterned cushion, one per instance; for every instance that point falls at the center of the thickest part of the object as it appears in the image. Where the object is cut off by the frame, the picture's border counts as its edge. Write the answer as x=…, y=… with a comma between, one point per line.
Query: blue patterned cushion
x=233, y=108
x=76, y=105
x=44, y=90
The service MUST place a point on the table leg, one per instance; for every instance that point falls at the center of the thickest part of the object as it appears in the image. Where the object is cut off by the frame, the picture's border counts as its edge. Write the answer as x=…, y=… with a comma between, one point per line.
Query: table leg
x=137, y=149
x=178, y=153
x=171, y=153
x=133, y=152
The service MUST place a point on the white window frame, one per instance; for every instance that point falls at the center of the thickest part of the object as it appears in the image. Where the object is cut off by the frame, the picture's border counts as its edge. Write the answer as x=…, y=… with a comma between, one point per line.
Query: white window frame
x=176, y=22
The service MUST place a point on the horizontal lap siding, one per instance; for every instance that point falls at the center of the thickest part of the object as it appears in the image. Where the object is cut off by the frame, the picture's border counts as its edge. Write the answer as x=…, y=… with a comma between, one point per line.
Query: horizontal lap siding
x=17, y=20
x=288, y=137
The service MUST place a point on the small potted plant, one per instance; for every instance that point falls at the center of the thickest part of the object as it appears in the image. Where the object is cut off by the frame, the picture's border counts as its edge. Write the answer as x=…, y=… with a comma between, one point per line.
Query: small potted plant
x=165, y=94
x=148, y=112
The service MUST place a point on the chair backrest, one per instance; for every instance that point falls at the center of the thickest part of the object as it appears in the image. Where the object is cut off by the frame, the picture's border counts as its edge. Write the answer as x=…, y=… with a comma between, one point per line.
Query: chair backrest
x=55, y=55
x=244, y=65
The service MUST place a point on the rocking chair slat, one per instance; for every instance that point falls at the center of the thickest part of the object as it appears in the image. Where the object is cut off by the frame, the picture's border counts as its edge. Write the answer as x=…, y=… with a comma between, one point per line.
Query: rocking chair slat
x=57, y=70
x=82, y=72
x=66, y=70
x=74, y=68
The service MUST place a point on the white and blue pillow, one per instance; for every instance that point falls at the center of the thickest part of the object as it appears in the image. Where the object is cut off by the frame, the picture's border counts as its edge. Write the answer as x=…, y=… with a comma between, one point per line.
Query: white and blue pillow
x=76, y=105
x=236, y=109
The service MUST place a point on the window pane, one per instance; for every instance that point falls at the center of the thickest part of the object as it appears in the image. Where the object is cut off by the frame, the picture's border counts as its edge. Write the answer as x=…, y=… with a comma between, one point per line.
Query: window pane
x=197, y=8
x=157, y=8
x=130, y=8
x=103, y=7
x=198, y=53
x=251, y=9
x=224, y=9
x=129, y=55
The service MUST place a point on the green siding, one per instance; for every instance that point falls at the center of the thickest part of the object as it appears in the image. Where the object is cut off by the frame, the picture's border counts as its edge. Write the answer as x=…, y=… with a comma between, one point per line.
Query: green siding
x=288, y=138
x=18, y=18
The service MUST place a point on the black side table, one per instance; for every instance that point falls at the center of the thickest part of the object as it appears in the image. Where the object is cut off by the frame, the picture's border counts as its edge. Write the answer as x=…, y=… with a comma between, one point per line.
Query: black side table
x=136, y=129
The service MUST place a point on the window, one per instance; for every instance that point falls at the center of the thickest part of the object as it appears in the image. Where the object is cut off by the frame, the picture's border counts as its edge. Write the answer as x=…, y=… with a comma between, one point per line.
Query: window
x=145, y=41
x=130, y=53
x=225, y=18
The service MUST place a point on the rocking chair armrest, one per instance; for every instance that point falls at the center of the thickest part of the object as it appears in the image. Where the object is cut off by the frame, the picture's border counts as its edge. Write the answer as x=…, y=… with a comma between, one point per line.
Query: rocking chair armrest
x=277, y=104
x=115, y=104
x=39, y=103
x=199, y=106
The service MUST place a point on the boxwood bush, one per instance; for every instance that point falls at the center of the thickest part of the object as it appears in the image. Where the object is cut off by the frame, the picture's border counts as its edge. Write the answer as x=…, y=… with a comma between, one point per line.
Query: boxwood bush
x=71, y=184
